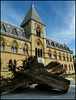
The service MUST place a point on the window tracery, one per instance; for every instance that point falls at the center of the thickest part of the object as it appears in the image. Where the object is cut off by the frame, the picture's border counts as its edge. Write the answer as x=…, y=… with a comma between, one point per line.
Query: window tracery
x=38, y=52
x=14, y=47
x=25, y=50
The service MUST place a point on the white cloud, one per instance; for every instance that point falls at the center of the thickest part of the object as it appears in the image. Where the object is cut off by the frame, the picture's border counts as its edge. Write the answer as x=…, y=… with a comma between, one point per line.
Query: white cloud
x=67, y=33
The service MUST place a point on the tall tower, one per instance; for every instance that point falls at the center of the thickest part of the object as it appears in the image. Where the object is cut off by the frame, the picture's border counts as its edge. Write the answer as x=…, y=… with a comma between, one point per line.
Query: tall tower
x=35, y=27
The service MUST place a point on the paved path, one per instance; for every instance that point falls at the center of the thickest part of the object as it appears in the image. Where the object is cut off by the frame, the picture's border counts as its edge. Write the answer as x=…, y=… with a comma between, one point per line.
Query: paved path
x=33, y=93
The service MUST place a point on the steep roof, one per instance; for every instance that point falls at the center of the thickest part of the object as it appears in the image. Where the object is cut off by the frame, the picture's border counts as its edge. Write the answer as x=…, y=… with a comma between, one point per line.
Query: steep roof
x=58, y=46
x=32, y=14
x=14, y=31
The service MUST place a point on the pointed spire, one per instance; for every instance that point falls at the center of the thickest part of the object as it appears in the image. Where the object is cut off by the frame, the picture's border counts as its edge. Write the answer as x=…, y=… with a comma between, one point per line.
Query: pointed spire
x=32, y=14
x=32, y=6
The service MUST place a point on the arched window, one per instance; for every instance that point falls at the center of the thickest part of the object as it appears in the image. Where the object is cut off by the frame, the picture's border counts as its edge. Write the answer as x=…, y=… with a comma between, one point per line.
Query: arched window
x=63, y=56
x=59, y=56
x=38, y=31
x=55, y=55
x=2, y=45
x=67, y=58
x=14, y=48
x=25, y=50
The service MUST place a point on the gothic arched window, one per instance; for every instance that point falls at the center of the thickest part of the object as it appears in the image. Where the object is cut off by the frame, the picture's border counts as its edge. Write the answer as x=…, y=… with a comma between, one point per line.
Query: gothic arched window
x=59, y=56
x=25, y=50
x=55, y=55
x=38, y=31
x=14, y=48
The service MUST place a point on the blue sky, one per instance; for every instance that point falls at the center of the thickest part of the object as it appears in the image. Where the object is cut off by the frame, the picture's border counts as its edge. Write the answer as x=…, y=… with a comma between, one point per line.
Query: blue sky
x=58, y=16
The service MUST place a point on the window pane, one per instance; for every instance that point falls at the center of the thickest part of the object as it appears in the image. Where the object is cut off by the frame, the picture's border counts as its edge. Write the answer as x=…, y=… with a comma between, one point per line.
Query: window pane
x=15, y=49
x=26, y=51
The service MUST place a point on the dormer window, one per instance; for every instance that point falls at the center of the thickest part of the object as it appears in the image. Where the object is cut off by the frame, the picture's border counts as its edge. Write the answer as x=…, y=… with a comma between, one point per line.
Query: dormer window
x=47, y=41
x=38, y=31
x=52, y=43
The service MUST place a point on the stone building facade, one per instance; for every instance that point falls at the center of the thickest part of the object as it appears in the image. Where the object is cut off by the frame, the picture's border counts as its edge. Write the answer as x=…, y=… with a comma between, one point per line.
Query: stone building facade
x=18, y=43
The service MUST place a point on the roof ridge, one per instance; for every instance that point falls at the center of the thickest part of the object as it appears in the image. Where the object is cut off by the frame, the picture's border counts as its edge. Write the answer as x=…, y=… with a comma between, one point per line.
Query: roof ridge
x=55, y=41
x=11, y=24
